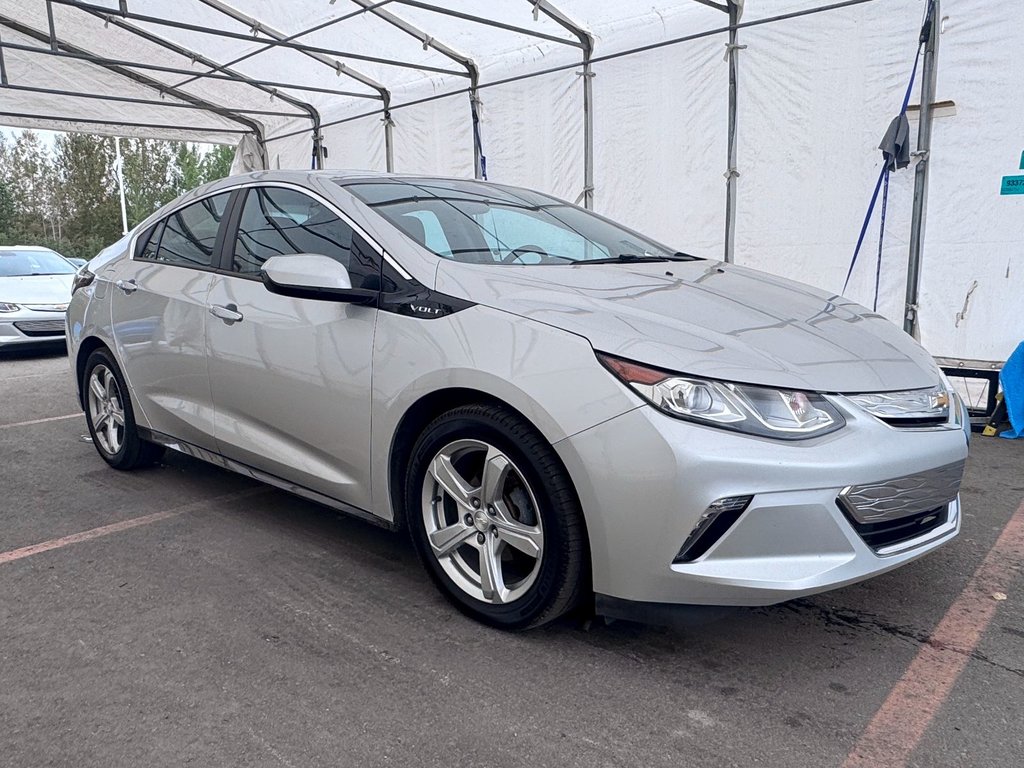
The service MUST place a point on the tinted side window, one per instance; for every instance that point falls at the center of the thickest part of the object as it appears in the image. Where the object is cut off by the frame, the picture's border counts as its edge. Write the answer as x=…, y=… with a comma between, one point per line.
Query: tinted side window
x=279, y=222
x=189, y=234
x=146, y=245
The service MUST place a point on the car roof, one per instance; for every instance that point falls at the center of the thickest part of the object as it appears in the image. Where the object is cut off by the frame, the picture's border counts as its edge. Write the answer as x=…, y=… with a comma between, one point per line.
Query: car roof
x=26, y=248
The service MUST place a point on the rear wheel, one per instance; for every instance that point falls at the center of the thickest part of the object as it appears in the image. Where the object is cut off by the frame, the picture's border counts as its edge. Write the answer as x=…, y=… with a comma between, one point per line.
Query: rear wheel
x=495, y=518
x=109, y=414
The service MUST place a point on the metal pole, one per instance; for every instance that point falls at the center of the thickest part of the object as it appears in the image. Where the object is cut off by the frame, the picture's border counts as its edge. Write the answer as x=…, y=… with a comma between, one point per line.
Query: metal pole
x=3, y=66
x=389, y=139
x=731, y=174
x=924, y=147
x=474, y=113
x=119, y=170
x=588, y=130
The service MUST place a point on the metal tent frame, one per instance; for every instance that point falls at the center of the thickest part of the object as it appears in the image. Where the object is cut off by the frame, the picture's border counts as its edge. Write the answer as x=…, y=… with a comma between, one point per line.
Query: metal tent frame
x=577, y=36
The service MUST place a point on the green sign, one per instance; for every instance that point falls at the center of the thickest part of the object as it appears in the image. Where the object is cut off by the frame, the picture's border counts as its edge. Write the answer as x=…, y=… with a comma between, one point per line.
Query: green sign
x=1013, y=185
x=1022, y=161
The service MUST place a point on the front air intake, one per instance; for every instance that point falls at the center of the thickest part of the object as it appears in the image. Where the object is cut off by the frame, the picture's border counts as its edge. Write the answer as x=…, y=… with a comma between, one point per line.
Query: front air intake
x=718, y=518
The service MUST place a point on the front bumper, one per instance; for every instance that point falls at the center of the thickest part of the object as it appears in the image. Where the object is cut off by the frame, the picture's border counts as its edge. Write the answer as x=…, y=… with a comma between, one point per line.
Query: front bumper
x=27, y=327
x=645, y=479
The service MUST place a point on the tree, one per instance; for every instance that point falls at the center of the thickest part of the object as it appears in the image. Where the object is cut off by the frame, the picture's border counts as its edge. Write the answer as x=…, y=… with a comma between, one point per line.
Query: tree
x=217, y=162
x=188, y=167
x=84, y=169
x=66, y=198
x=148, y=177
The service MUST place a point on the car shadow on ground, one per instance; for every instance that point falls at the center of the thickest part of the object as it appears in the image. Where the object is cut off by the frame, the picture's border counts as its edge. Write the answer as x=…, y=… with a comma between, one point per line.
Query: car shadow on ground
x=388, y=563
x=42, y=351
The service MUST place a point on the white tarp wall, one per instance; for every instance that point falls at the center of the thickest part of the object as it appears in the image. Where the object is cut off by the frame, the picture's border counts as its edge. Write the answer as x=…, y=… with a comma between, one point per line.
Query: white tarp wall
x=816, y=94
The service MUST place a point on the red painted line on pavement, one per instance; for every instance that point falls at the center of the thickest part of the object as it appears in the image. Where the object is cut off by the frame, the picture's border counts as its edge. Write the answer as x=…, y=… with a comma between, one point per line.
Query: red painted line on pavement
x=124, y=525
x=74, y=538
x=898, y=726
x=41, y=421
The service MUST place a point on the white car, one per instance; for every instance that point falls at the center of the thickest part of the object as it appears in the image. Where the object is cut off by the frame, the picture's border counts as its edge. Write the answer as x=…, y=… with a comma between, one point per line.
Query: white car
x=556, y=407
x=35, y=288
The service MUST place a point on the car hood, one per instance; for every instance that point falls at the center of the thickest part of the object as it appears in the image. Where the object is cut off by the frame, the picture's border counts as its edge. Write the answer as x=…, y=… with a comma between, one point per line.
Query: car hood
x=709, y=319
x=36, y=289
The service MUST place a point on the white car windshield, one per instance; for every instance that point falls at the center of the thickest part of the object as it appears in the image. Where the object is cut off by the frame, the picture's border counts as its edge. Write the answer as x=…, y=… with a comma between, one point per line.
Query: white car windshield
x=31, y=262
x=484, y=223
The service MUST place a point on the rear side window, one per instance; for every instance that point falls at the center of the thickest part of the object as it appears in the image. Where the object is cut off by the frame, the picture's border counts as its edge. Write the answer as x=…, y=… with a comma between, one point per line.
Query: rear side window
x=149, y=241
x=278, y=222
x=189, y=235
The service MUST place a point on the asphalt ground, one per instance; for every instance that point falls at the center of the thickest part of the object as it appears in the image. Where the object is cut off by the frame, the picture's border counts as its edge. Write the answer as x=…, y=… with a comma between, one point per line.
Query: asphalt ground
x=214, y=621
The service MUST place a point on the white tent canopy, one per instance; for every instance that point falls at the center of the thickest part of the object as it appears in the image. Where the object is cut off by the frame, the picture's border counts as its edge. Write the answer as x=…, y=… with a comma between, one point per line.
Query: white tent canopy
x=624, y=106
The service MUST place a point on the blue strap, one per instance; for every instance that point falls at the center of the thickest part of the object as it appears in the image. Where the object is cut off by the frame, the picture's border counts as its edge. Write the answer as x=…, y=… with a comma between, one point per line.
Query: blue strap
x=883, y=176
x=881, y=234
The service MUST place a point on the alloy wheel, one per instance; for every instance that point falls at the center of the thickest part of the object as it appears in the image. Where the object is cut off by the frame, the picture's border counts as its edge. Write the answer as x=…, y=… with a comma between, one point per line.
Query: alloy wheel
x=106, y=410
x=482, y=521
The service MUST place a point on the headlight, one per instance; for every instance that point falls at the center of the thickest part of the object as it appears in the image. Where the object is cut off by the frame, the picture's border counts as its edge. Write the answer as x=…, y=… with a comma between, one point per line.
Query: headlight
x=778, y=413
x=6, y=307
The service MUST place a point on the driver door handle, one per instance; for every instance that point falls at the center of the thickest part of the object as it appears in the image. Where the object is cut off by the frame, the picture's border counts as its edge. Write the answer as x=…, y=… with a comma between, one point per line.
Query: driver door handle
x=229, y=313
x=128, y=286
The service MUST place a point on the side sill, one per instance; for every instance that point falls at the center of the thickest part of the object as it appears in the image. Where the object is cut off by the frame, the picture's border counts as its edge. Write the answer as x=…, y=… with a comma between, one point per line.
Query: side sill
x=264, y=477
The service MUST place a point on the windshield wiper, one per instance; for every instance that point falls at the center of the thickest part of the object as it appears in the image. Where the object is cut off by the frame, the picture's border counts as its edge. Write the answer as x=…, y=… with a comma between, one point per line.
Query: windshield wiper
x=633, y=258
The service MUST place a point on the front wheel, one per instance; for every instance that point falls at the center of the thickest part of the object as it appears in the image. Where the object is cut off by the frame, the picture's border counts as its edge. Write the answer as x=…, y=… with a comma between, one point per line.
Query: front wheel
x=109, y=414
x=495, y=518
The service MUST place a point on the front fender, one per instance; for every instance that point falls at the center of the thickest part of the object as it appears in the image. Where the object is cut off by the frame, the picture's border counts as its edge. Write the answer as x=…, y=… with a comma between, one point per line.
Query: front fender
x=550, y=376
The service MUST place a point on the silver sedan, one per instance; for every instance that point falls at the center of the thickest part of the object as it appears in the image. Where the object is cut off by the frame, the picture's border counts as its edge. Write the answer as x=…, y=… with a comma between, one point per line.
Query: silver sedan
x=563, y=413
x=35, y=288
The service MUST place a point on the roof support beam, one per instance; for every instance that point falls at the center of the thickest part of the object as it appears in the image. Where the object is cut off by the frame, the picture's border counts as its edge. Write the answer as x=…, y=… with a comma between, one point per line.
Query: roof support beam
x=587, y=44
x=81, y=53
x=309, y=109
x=103, y=61
x=3, y=65
x=471, y=69
x=138, y=100
x=717, y=6
x=195, y=56
x=121, y=123
x=296, y=36
x=274, y=40
x=487, y=22
x=338, y=66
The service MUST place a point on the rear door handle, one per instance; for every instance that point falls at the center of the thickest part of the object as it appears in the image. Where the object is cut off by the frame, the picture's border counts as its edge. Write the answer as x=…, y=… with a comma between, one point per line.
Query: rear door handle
x=128, y=286
x=229, y=313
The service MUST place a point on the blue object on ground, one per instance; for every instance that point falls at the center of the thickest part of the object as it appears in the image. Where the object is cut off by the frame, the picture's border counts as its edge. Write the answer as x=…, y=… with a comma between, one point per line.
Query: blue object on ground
x=1012, y=379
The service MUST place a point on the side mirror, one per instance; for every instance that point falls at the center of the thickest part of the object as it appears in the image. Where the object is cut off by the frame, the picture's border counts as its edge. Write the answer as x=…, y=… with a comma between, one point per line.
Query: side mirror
x=312, y=276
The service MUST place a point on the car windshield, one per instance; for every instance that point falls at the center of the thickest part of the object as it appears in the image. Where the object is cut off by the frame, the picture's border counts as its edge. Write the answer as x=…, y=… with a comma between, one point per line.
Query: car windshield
x=32, y=262
x=484, y=223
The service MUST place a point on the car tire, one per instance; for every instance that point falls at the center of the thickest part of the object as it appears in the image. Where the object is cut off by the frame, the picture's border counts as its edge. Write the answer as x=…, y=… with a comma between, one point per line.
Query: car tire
x=110, y=416
x=495, y=519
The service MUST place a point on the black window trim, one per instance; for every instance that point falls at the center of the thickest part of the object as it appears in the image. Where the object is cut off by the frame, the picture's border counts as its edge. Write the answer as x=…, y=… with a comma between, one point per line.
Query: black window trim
x=161, y=224
x=241, y=187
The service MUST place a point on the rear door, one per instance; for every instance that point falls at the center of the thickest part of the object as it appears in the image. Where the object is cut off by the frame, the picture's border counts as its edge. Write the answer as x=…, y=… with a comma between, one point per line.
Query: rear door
x=159, y=313
x=291, y=377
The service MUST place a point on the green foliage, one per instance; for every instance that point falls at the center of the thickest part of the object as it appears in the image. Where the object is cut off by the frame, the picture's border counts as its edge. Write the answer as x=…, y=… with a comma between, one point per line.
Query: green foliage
x=217, y=162
x=66, y=197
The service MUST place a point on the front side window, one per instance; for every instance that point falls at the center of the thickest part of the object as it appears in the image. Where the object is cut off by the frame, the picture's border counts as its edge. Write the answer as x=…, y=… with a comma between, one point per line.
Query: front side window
x=488, y=224
x=189, y=234
x=33, y=262
x=277, y=222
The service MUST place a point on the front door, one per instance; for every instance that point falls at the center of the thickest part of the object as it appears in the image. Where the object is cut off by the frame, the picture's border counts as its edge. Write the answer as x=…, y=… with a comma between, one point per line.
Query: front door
x=291, y=377
x=159, y=307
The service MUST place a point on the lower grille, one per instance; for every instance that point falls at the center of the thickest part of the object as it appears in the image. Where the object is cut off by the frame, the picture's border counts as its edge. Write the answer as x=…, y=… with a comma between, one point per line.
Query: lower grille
x=890, y=532
x=41, y=327
x=901, y=497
